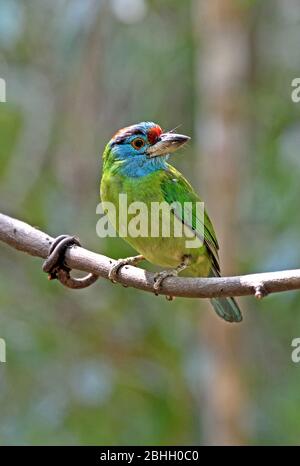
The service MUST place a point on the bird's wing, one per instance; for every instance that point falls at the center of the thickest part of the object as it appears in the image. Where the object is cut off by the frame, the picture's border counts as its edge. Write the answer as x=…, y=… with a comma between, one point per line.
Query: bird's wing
x=176, y=191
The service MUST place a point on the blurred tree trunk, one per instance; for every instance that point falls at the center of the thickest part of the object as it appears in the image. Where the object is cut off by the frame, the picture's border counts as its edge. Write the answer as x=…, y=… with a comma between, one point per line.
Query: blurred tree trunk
x=222, y=70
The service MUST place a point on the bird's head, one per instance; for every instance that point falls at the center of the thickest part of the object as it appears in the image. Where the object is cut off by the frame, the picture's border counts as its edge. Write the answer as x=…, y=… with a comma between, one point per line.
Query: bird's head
x=141, y=149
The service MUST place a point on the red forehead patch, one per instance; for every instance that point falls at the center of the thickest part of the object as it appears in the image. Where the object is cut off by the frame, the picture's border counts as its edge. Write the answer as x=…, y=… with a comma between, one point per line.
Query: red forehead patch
x=154, y=133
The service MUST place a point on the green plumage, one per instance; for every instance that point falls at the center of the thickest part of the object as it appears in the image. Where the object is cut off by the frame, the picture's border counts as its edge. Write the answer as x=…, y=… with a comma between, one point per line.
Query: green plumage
x=168, y=184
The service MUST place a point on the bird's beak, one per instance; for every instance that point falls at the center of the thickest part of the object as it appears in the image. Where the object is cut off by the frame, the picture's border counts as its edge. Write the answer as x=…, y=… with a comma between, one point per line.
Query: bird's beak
x=167, y=143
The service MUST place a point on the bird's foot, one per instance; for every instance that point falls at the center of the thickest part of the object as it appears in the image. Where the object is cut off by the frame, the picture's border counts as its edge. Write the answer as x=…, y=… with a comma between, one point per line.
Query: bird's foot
x=113, y=273
x=161, y=276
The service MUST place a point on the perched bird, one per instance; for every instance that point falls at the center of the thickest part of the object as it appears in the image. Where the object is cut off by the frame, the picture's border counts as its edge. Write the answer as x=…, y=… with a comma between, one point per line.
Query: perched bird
x=135, y=164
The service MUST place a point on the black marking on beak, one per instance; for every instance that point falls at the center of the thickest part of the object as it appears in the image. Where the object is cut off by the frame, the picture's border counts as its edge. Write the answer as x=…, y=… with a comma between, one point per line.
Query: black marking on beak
x=166, y=144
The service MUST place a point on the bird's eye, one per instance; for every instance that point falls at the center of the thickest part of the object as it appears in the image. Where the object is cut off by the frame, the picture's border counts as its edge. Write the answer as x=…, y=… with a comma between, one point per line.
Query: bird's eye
x=138, y=143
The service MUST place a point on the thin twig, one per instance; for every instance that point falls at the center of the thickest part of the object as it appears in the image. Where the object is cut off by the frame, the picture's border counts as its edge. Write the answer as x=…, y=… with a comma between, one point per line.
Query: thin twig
x=24, y=237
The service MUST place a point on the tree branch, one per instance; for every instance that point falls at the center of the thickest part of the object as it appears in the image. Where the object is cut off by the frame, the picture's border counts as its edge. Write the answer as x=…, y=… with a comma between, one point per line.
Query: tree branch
x=24, y=237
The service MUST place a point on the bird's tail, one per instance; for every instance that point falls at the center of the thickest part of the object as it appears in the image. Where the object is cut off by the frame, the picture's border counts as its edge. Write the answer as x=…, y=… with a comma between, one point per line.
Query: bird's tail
x=227, y=308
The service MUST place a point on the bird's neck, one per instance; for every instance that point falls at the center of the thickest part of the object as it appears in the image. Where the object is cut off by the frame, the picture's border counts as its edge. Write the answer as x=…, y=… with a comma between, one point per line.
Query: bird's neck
x=136, y=168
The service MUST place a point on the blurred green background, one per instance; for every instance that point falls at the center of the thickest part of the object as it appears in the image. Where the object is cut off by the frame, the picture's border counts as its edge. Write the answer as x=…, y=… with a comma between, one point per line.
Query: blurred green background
x=110, y=365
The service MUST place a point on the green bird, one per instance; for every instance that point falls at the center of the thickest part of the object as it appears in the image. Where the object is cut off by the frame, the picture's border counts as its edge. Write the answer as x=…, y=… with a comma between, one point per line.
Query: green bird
x=135, y=163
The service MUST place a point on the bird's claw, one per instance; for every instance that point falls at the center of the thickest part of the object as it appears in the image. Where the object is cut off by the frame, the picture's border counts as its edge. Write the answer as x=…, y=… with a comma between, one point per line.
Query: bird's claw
x=114, y=270
x=160, y=277
x=112, y=274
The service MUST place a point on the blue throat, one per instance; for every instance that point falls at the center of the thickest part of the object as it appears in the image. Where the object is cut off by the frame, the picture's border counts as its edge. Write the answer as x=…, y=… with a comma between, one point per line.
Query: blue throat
x=142, y=166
